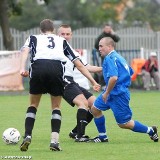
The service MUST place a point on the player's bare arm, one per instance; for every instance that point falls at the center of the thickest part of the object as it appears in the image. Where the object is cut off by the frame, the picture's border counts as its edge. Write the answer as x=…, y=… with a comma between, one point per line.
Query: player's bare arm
x=111, y=83
x=87, y=74
x=94, y=69
x=24, y=52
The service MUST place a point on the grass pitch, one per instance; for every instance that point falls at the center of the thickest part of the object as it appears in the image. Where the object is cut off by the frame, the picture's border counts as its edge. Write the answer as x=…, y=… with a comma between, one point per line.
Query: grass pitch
x=123, y=144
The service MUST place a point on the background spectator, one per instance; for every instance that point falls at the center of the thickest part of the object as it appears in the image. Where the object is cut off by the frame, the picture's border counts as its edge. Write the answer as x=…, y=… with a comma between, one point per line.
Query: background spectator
x=150, y=70
x=107, y=32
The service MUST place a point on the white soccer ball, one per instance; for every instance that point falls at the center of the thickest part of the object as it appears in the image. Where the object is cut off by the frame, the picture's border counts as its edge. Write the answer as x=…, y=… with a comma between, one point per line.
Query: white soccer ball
x=11, y=136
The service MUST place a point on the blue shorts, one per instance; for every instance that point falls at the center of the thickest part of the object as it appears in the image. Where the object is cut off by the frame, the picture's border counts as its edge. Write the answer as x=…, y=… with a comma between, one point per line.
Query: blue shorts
x=119, y=104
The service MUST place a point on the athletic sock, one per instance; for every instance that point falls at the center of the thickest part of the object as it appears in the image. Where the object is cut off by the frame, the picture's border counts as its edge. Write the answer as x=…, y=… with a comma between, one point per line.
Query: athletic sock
x=150, y=131
x=55, y=125
x=30, y=119
x=56, y=121
x=89, y=119
x=89, y=116
x=81, y=122
x=139, y=127
x=100, y=124
x=74, y=130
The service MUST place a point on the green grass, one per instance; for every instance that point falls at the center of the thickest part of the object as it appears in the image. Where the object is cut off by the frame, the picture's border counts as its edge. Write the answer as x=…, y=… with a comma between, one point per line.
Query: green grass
x=123, y=144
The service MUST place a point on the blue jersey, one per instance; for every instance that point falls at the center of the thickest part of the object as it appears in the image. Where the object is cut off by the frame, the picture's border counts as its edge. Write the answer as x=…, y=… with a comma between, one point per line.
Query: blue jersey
x=115, y=65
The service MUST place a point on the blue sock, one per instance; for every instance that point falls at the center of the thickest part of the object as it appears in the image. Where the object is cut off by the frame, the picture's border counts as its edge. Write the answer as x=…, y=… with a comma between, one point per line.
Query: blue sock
x=100, y=124
x=138, y=127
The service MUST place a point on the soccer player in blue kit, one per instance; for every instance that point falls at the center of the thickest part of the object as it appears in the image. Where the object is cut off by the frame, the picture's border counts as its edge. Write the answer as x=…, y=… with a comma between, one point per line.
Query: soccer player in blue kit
x=116, y=96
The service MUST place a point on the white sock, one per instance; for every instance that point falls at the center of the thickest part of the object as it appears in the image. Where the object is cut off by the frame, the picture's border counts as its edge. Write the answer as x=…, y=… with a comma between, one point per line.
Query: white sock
x=54, y=137
x=149, y=129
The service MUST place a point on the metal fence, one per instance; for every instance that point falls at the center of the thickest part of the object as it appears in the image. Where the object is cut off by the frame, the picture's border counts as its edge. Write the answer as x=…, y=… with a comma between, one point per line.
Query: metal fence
x=134, y=42
x=131, y=40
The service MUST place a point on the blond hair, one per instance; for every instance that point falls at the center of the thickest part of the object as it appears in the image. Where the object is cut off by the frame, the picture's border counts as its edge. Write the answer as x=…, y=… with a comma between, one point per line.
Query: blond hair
x=110, y=41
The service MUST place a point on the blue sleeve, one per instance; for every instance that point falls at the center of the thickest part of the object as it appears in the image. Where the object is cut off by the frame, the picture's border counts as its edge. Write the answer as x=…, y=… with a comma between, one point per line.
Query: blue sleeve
x=131, y=71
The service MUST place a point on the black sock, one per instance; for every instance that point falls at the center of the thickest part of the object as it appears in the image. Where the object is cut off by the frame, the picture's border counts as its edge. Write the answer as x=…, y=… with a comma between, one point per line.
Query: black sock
x=81, y=122
x=30, y=119
x=74, y=130
x=89, y=116
x=56, y=121
x=89, y=119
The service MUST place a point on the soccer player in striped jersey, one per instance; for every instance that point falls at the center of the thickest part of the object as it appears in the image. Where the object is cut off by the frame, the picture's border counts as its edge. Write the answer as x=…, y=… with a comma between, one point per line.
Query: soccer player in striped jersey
x=116, y=96
x=48, y=55
x=80, y=97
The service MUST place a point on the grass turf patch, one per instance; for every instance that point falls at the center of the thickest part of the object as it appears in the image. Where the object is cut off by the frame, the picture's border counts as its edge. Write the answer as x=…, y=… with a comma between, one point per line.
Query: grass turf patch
x=123, y=144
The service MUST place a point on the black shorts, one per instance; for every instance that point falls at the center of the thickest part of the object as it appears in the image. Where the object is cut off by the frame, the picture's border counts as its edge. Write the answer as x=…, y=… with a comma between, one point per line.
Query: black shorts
x=46, y=76
x=72, y=90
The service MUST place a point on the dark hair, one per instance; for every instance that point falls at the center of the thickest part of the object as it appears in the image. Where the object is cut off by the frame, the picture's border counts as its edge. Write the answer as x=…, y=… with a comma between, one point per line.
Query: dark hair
x=46, y=25
x=107, y=24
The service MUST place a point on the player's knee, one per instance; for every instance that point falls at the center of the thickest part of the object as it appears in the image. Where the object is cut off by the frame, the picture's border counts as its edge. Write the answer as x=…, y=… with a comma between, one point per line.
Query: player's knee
x=96, y=113
x=91, y=101
x=123, y=126
x=128, y=125
x=81, y=103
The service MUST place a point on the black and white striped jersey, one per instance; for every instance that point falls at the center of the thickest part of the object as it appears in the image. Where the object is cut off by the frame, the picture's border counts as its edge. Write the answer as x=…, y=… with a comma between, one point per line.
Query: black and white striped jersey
x=69, y=66
x=49, y=46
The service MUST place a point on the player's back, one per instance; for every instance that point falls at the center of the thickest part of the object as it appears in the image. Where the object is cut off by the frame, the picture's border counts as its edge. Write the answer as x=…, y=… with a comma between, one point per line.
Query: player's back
x=46, y=46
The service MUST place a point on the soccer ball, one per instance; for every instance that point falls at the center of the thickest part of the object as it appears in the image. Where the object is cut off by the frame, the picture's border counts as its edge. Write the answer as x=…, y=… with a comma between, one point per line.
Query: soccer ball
x=11, y=136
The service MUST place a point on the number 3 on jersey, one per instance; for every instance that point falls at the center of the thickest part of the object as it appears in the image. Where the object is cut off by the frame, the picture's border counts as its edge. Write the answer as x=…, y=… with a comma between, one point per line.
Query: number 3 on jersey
x=51, y=43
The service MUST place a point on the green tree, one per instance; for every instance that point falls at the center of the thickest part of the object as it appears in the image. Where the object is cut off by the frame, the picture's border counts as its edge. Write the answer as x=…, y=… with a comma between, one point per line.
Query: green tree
x=144, y=12
x=8, y=10
x=81, y=13
x=30, y=16
x=4, y=23
x=27, y=14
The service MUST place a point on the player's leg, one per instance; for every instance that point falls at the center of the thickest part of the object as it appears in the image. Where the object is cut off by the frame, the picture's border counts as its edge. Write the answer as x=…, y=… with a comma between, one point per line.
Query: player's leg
x=74, y=96
x=123, y=116
x=31, y=113
x=99, y=119
x=55, y=123
x=36, y=90
x=82, y=104
x=55, y=88
x=136, y=126
x=90, y=98
x=73, y=132
x=30, y=120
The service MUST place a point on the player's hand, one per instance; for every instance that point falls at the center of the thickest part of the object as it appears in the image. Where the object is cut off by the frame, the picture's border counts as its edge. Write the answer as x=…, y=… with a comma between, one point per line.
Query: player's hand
x=97, y=87
x=24, y=73
x=152, y=62
x=105, y=96
x=80, y=51
x=112, y=31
